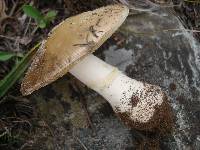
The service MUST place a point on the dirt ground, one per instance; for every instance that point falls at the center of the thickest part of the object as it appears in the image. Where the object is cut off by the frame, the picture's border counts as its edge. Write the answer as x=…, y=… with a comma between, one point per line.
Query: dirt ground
x=22, y=125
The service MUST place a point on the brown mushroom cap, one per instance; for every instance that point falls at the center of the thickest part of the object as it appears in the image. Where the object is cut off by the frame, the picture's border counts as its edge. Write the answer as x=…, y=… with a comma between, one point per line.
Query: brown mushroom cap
x=69, y=42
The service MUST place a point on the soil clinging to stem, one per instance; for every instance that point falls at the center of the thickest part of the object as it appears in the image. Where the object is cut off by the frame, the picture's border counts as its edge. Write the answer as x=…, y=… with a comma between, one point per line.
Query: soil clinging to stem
x=161, y=122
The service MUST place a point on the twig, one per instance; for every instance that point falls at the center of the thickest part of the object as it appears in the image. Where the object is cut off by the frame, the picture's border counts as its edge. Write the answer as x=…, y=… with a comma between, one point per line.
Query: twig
x=83, y=102
x=23, y=121
x=94, y=31
x=34, y=30
x=25, y=31
x=165, y=30
x=26, y=144
x=17, y=120
x=4, y=133
x=88, y=43
x=191, y=1
x=152, y=6
x=189, y=30
x=81, y=45
x=79, y=141
x=7, y=37
x=13, y=8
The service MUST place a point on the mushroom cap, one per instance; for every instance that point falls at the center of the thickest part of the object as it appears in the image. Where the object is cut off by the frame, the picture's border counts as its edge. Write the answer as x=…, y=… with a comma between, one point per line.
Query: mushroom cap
x=71, y=41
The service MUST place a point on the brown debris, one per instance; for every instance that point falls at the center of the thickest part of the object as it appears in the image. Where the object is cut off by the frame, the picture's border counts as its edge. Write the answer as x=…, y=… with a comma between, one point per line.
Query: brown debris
x=162, y=120
x=134, y=101
x=2, y=10
x=172, y=86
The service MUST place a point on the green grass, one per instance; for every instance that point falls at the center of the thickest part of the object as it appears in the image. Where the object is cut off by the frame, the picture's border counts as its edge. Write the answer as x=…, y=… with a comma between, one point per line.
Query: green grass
x=10, y=79
x=5, y=56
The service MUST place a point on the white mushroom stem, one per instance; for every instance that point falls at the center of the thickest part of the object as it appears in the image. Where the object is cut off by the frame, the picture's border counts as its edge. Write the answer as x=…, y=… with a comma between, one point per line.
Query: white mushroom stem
x=123, y=93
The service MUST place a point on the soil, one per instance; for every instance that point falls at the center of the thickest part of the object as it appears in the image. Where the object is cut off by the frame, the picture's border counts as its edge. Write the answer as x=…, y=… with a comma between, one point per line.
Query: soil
x=161, y=123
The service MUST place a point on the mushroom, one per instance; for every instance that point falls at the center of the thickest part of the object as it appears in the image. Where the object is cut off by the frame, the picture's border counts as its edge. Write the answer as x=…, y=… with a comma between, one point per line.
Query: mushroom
x=68, y=48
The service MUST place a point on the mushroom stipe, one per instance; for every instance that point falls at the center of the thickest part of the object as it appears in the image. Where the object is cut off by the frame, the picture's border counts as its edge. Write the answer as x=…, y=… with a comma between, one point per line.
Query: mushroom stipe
x=68, y=49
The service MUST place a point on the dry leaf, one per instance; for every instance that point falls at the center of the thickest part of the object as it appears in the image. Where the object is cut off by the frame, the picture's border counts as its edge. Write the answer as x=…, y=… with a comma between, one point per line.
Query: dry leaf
x=2, y=10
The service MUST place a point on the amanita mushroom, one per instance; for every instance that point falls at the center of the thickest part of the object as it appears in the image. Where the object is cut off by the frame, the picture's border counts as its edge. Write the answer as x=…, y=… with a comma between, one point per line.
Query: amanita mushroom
x=69, y=47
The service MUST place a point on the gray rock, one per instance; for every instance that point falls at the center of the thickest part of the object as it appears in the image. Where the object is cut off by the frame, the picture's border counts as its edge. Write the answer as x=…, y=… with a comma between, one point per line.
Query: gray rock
x=153, y=52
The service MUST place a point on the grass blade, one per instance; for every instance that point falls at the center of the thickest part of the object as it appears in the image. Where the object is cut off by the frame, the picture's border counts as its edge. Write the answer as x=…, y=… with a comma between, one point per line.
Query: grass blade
x=4, y=56
x=17, y=72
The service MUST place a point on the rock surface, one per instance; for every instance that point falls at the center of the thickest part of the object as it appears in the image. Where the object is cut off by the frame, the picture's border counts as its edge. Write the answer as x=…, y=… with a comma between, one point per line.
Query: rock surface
x=152, y=52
